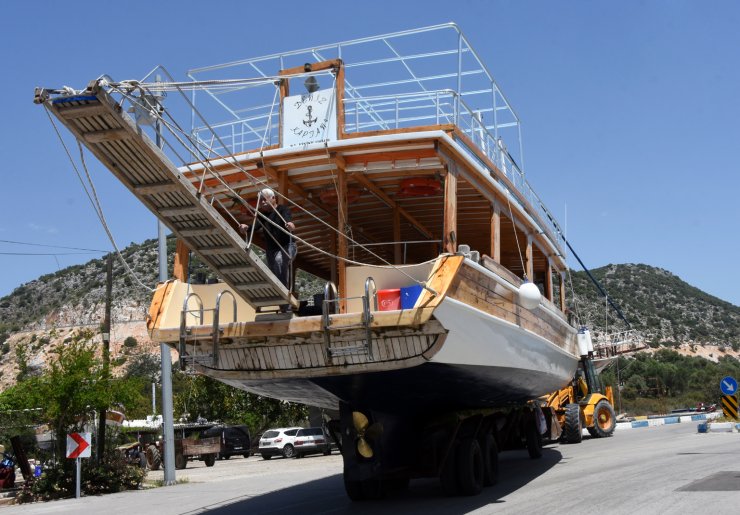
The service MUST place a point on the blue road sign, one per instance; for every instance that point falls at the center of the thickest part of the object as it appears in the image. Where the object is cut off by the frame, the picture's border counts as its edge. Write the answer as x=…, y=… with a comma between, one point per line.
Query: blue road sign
x=728, y=385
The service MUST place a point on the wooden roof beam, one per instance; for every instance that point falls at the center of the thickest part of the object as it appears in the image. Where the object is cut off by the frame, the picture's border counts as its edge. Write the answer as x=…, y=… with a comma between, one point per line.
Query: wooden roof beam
x=375, y=190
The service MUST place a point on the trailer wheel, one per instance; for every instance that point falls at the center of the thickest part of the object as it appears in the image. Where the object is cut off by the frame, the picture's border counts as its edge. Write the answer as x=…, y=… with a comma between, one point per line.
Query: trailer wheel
x=354, y=490
x=448, y=476
x=209, y=460
x=604, y=419
x=367, y=489
x=572, y=427
x=534, y=441
x=181, y=461
x=490, y=461
x=153, y=457
x=396, y=484
x=470, y=467
x=266, y=456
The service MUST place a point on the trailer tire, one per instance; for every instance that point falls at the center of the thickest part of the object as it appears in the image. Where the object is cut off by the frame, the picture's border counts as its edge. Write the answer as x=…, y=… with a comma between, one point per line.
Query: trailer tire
x=266, y=456
x=490, y=461
x=354, y=490
x=448, y=476
x=605, y=421
x=153, y=457
x=534, y=441
x=181, y=461
x=209, y=460
x=367, y=489
x=470, y=467
x=572, y=427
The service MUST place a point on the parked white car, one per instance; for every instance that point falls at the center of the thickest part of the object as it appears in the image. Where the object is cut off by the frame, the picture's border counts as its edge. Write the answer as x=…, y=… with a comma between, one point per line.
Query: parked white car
x=311, y=440
x=278, y=441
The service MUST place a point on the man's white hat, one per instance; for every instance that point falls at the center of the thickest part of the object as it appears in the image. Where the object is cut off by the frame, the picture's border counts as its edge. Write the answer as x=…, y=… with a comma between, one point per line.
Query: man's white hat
x=267, y=193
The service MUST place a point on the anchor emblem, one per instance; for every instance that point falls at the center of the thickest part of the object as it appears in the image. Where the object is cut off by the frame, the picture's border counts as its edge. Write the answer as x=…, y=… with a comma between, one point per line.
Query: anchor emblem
x=309, y=121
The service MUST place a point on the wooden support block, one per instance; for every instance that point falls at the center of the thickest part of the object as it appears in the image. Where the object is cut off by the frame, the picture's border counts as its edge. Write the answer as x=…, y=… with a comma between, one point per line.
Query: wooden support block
x=182, y=259
x=342, y=246
x=449, y=237
x=496, y=233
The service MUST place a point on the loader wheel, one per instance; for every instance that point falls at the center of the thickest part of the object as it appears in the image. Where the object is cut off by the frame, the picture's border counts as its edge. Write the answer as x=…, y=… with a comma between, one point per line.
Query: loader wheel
x=153, y=457
x=534, y=440
x=604, y=419
x=490, y=461
x=470, y=467
x=572, y=427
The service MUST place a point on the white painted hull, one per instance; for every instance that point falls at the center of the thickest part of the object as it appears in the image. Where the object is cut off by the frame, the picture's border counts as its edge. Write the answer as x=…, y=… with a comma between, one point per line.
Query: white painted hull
x=476, y=338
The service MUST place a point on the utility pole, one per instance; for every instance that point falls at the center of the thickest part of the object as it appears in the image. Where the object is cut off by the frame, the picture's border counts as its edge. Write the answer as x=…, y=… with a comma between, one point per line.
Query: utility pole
x=106, y=353
x=168, y=423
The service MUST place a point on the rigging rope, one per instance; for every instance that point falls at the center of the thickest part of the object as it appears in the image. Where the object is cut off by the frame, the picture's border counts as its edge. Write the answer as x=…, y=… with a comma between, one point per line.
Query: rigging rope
x=516, y=237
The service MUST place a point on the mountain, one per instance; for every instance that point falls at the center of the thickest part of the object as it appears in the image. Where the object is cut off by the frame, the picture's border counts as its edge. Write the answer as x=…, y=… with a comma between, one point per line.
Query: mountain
x=55, y=306
x=658, y=303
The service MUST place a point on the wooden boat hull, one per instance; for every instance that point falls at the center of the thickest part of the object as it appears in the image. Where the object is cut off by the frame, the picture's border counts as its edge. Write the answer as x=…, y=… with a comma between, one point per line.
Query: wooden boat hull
x=453, y=352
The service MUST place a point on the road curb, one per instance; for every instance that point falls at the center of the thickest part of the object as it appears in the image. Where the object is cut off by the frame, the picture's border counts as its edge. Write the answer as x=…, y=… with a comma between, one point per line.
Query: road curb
x=655, y=422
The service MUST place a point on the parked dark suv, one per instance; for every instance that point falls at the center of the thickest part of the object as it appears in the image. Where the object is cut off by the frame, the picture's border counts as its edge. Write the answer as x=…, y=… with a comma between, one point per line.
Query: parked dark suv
x=235, y=440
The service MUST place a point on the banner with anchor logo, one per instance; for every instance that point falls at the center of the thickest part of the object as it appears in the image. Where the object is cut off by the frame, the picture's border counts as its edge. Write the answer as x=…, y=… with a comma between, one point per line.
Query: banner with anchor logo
x=309, y=118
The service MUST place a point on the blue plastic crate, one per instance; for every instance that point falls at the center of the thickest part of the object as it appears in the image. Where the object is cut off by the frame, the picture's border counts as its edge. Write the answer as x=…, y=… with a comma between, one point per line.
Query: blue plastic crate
x=409, y=294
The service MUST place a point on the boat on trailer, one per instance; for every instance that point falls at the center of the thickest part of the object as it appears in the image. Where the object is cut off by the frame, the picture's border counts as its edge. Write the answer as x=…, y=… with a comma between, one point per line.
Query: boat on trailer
x=444, y=271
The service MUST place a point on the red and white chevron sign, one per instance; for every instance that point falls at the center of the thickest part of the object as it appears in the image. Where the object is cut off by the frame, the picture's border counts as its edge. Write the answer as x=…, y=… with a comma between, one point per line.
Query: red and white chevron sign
x=78, y=445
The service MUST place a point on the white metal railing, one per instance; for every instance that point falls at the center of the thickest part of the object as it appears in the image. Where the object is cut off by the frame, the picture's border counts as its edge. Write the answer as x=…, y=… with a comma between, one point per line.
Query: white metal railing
x=426, y=76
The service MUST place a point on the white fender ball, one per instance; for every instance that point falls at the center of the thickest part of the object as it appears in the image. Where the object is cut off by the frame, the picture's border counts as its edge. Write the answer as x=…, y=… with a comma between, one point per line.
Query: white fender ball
x=529, y=295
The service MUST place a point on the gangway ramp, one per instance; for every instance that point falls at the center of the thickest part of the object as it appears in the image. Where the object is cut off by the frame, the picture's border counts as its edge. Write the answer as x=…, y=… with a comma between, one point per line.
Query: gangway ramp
x=98, y=121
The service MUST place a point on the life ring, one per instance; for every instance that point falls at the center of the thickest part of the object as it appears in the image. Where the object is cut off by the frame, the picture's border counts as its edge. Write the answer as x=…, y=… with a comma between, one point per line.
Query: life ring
x=419, y=187
x=329, y=197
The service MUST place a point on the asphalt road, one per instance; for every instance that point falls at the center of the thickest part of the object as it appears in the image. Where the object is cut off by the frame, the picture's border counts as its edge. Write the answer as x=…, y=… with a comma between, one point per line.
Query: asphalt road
x=668, y=469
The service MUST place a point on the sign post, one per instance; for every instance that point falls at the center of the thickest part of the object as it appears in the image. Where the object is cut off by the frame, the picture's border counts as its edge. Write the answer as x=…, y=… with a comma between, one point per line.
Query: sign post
x=728, y=386
x=78, y=446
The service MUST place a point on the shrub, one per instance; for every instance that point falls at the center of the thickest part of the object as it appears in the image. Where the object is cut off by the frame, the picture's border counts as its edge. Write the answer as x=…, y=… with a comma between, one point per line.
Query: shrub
x=130, y=342
x=110, y=476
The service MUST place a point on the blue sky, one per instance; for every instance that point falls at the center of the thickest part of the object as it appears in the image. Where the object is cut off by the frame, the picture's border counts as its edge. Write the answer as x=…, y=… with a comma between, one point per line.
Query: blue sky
x=630, y=113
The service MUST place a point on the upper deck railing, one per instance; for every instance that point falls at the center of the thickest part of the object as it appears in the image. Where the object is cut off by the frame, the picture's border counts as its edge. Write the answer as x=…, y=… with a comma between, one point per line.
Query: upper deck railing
x=416, y=78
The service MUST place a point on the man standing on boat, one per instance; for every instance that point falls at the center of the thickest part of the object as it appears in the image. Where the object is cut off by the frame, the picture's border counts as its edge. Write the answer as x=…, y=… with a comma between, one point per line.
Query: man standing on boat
x=276, y=224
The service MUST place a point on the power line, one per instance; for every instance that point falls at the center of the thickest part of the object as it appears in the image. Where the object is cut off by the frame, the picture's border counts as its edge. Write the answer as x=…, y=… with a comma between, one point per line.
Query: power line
x=49, y=246
x=45, y=253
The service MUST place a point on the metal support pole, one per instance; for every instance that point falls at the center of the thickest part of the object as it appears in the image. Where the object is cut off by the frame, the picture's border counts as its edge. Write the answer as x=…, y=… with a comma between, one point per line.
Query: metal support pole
x=106, y=353
x=167, y=416
x=168, y=429
x=77, y=478
x=154, y=399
